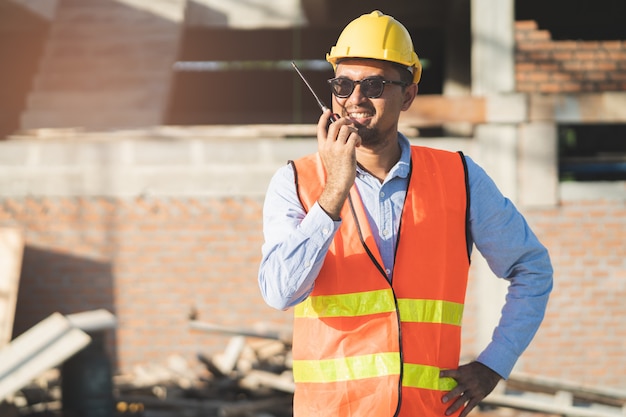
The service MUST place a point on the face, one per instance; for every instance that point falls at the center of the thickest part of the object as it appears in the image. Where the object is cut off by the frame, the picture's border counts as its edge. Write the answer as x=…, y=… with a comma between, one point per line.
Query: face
x=375, y=118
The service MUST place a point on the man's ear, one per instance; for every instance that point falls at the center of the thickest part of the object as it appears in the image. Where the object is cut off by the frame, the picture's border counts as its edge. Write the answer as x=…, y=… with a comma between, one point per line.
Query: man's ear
x=409, y=95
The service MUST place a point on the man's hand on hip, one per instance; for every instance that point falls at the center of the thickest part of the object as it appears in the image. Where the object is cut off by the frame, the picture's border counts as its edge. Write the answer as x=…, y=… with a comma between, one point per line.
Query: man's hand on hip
x=474, y=382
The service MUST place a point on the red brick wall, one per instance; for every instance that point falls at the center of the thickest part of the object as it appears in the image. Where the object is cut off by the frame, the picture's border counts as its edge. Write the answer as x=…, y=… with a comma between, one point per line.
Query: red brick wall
x=583, y=338
x=152, y=261
x=543, y=65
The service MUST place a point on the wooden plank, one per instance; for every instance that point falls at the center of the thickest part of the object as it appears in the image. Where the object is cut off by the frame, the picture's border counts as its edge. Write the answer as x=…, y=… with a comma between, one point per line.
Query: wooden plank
x=601, y=395
x=227, y=360
x=93, y=321
x=45, y=345
x=262, y=334
x=436, y=110
x=256, y=378
x=11, y=253
x=528, y=404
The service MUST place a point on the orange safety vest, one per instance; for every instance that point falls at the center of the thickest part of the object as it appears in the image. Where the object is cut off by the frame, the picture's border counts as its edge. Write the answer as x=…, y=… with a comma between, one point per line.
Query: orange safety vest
x=363, y=346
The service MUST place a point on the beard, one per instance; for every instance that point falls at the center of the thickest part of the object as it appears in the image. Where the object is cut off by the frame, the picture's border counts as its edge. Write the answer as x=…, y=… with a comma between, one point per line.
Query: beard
x=369, y=136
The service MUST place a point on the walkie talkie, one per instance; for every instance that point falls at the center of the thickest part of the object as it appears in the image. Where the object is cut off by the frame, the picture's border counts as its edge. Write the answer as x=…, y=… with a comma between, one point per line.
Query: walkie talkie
x=333, y=117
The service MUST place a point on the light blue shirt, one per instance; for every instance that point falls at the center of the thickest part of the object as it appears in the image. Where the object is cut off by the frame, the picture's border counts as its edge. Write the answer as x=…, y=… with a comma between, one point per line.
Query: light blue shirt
x=296, y=243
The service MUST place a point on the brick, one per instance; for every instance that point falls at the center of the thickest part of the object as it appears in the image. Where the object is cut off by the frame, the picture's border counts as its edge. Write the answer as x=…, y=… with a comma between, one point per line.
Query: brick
x=538, y=76
x=563, y=55
x=522, y=67
x=567, y=45
x=538, y=35
x=525, y=25
x=561, y=76
x=619, y=55
x=549, y=66
x=612, y=45
x=586, y=55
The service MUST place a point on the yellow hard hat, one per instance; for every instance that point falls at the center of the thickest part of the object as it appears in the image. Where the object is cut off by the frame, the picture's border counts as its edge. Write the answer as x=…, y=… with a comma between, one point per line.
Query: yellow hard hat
x=377, y=36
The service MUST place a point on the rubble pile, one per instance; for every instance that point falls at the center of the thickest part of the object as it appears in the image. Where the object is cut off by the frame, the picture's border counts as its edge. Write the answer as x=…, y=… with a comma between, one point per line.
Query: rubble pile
x=251, y=378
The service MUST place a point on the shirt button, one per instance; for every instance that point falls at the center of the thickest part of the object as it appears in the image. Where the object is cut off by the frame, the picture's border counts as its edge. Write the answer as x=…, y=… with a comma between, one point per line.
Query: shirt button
x=382, y=194
x=388, y=271
x=325, y=232
x=385, y=232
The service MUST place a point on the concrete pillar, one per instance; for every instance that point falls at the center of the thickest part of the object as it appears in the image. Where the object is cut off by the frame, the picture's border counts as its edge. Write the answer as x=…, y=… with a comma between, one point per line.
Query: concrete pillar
x=538, y=162
x=490, y=292
x=493, y=60
x=497, y=145
x=493, y=73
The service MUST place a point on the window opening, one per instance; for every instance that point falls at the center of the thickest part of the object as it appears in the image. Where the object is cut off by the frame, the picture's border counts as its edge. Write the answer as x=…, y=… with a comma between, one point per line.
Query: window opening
x=592, y=152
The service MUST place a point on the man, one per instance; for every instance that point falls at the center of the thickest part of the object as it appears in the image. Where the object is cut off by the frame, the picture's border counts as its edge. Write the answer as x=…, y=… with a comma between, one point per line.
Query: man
x=370, y=240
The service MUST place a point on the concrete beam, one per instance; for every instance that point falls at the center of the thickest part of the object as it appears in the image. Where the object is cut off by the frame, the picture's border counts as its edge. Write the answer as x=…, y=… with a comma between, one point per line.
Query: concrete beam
x=128, y=167
x=250, y=14
x=607, y=107
x=493, y=60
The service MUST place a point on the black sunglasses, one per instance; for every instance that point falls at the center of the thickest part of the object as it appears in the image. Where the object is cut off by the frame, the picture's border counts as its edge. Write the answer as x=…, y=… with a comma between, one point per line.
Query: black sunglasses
x=371, y=87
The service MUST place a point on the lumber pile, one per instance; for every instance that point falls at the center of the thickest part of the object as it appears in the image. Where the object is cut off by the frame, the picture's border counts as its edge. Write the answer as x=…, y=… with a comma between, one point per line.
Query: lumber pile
x=251, y=377
x=556, y=397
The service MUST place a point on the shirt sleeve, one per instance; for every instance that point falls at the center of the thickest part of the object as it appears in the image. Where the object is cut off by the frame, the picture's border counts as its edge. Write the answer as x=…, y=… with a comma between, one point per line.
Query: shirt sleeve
x=296, y=243
x=514, y=253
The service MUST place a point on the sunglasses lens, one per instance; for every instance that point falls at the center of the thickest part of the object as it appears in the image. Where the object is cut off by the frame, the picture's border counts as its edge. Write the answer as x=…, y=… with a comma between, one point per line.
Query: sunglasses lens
x=342, y=87
x=372, y=87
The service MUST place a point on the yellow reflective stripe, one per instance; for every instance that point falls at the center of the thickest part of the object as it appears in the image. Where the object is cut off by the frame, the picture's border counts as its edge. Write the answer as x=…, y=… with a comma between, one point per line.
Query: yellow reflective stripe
x=346, y=305
x=425, y=377
x=347, y=369
x=430, y=311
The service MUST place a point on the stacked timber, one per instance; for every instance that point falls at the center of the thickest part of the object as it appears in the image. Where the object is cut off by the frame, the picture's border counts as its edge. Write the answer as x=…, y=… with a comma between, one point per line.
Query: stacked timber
x=251, y=377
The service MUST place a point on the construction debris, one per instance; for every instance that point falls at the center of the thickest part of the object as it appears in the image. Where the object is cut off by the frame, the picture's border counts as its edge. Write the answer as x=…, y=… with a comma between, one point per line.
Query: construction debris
x=11, y=254
x=252, y=377
x=557, y=397
x=45, y=345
